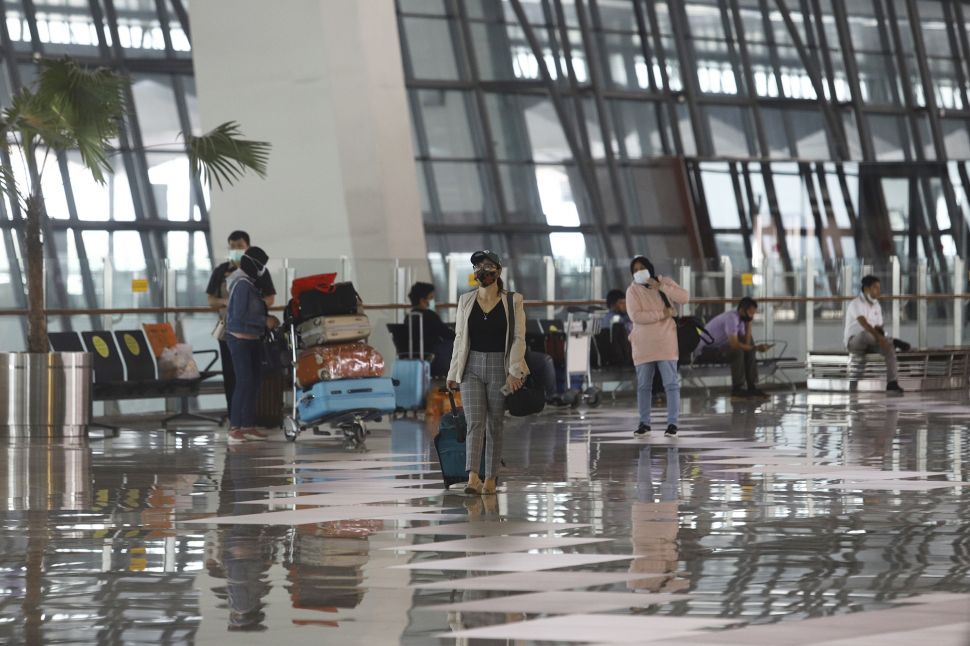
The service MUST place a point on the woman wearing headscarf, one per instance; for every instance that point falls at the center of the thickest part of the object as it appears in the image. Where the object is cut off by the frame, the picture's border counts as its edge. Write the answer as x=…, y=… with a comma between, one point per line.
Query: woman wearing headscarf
x=246, y=321
x=649, y=302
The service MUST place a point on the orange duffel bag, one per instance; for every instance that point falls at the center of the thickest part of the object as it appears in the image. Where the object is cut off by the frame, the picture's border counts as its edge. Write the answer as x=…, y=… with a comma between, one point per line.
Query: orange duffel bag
x=342, y=361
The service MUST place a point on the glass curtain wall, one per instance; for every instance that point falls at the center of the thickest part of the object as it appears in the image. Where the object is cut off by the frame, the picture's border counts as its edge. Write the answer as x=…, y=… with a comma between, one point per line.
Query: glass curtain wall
x=754, y=129
x=151, y=211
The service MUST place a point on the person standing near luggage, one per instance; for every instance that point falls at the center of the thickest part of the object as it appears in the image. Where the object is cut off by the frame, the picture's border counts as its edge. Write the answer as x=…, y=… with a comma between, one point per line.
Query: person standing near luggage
x=439, y=339
x=246, y=321
x=654, y=339
x=218, y=293
x=488, y=362
x=732, y=343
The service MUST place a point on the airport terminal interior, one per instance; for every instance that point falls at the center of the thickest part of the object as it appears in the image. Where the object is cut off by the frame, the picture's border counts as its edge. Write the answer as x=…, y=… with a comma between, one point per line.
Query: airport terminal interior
x=485, y=322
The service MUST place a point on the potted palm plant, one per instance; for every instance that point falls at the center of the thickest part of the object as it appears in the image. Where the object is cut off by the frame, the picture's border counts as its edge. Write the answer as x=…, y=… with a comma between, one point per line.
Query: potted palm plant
x=71, y=107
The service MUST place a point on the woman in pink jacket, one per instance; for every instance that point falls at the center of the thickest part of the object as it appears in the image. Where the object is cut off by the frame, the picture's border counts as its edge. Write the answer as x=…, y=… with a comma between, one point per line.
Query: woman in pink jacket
x=654, y=339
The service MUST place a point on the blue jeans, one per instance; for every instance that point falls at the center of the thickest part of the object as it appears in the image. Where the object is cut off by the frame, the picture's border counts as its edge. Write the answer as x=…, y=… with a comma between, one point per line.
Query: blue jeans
x=246, y=366
x=671, y=379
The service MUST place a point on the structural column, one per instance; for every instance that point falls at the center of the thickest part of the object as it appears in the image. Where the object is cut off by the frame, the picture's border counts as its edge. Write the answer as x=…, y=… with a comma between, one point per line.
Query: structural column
x=322, y=81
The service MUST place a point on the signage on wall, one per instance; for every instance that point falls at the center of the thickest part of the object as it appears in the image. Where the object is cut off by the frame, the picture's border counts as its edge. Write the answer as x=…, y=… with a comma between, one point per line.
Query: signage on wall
x=747, y=279
x=139, y=285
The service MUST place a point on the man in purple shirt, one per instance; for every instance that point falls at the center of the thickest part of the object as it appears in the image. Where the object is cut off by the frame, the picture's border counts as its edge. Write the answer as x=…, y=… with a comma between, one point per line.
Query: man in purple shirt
x=731, y=334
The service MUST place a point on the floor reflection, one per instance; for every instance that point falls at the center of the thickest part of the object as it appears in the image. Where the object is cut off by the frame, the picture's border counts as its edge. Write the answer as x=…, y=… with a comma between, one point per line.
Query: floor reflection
x=804, y=508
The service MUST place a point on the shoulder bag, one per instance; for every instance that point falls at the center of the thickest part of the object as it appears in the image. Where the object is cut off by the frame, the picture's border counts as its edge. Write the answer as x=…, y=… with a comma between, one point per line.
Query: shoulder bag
x=527, y=400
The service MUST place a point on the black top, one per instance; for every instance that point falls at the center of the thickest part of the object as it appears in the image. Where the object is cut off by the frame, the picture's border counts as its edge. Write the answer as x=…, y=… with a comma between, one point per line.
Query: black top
x=217, y=282
x=487, y=332
x=435, y=331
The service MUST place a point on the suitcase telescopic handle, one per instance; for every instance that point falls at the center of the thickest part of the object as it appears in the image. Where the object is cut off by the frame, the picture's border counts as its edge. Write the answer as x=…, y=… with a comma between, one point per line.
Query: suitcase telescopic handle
x=451, y=399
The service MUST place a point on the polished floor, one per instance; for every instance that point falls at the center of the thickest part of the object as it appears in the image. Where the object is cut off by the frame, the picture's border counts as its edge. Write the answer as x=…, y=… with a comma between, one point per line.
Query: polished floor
x=807, y=519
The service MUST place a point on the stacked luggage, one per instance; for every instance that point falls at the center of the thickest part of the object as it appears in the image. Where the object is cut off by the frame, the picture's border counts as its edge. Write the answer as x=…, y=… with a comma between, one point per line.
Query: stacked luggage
x=336, y=370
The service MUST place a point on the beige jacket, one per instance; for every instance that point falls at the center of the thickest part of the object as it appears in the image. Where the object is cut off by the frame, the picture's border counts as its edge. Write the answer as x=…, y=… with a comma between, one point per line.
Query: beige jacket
x=514, y=359
x=654, y=338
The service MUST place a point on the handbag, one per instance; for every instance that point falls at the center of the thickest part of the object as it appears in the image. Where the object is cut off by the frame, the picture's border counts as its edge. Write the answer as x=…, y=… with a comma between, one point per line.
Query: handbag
x=690, y=331
x=527, y=400
x=219, y=331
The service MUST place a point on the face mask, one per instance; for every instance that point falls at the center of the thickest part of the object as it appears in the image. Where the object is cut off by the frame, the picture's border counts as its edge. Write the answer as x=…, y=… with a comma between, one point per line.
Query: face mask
x=870, y=299
x=641, y=277
x=485, y=277
x=431, y=304
x=235, y=255
x=746, y=318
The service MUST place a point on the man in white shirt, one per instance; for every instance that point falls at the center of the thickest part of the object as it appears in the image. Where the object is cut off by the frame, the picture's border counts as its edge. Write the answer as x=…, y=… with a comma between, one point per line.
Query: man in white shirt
x=864, y=330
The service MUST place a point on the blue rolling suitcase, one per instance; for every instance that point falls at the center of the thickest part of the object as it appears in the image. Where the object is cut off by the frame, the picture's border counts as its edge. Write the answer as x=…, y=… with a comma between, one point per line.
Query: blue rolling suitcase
x=412, y=373
x=331, y=398
x=449, y=443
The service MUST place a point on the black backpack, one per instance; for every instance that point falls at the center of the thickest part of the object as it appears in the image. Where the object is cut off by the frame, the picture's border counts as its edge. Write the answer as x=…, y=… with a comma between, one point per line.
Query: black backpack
x=690, y=331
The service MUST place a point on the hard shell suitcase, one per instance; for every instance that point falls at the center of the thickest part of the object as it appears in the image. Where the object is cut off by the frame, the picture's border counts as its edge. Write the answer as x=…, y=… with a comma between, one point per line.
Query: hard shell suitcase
x=343, y=361
x=413, y=377
x=412, y=373
x=334, y=329
x=449, y=443
x=329, y=398
x=341, y=300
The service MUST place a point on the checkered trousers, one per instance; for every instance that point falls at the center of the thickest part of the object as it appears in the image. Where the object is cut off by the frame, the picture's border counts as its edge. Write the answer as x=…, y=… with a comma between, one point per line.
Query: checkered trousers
x=484, y=403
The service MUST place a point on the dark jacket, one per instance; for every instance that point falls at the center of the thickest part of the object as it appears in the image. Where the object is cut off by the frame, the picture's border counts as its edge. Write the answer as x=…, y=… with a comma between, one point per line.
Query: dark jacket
x=246, y=310
x=435, y=331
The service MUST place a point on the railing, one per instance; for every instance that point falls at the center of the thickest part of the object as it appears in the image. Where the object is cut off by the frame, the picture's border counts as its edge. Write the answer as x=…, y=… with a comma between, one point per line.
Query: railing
x=801, y=303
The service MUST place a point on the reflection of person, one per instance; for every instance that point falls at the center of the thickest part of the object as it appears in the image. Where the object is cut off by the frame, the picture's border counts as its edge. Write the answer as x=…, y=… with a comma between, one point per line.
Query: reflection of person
x=732, y=343
x=247, y=550
x=649, y=300
x=864, y=330
x=655, y=525
x=488, y=362
x=439, y=339
x=218, y=293
x=616, y=304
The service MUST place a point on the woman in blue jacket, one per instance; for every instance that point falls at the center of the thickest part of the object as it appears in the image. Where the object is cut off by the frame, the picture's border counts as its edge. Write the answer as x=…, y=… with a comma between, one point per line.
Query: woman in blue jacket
x=246, y=322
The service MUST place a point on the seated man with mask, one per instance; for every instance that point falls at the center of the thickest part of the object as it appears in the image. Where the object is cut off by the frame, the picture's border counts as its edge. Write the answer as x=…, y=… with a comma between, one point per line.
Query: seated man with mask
x=439, y=339
x=731, y=334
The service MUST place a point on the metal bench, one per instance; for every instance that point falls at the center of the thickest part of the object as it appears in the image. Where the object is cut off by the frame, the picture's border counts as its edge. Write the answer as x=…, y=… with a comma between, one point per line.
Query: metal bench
x=929, y=369
x=125, y=367
x=769, y=367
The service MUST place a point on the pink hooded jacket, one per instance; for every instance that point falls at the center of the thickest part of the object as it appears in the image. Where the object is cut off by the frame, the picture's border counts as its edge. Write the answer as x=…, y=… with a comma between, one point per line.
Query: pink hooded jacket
x=653, y=338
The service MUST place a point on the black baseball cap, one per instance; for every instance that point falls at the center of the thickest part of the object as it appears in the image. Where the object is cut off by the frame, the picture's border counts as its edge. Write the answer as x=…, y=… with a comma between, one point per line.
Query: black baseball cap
x=481, y=256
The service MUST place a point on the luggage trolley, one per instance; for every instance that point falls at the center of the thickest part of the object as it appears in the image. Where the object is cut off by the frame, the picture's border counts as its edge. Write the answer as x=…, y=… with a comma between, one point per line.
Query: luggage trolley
x=351, y=423
x=582, y=324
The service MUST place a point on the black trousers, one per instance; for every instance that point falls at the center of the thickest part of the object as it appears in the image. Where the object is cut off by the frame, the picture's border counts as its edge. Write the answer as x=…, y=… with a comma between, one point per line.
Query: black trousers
x=744, y=364
x=228, y=374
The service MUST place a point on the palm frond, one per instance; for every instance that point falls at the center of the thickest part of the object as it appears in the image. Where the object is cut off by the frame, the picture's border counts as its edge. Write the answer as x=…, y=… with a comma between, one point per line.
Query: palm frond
x=30, y=120
x=222, y=155
x=8, y=185
x=89, y=104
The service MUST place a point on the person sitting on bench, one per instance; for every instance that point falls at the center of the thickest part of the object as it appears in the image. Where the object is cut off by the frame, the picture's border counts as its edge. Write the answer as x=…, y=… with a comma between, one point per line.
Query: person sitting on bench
x=864, y=330
x=731, y=343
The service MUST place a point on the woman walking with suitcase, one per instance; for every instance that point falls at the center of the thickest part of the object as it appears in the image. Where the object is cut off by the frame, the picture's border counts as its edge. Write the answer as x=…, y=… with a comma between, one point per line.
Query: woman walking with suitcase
x=649, y=301
x=488, y=362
